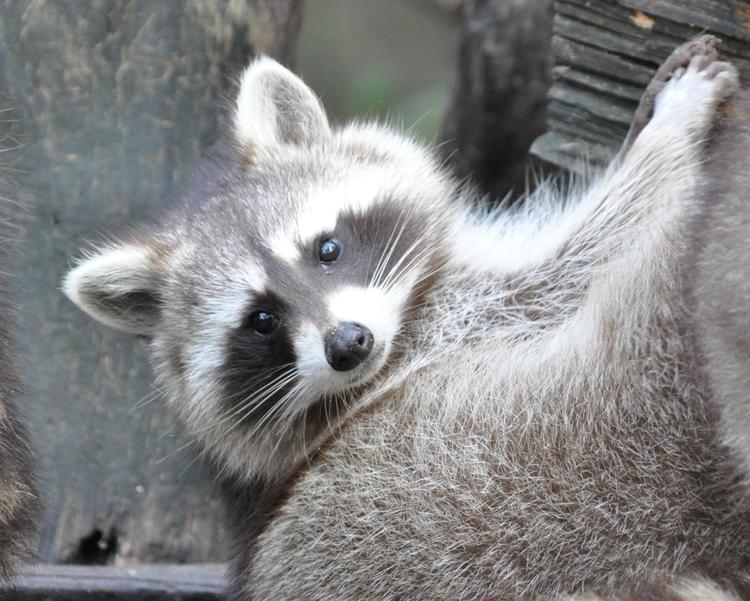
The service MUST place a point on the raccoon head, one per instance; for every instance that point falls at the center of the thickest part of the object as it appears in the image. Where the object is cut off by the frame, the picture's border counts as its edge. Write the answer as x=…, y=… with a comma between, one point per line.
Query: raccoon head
x=280, y=288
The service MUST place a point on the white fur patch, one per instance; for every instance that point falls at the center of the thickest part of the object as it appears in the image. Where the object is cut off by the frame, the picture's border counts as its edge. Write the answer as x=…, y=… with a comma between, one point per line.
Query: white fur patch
x=255, y=113
x=321, y=211
x=323, y=207
x=282, y=243
x=229, y=307
x=311, y=358
x=513, y=241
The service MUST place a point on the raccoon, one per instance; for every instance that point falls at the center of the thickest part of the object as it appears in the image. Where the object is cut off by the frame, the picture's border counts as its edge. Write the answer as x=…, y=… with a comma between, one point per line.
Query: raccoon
x=413, y=398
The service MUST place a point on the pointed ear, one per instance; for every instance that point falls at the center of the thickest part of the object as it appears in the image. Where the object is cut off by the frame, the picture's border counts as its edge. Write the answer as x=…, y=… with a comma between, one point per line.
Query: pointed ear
x=119, y=287
x=275, y=107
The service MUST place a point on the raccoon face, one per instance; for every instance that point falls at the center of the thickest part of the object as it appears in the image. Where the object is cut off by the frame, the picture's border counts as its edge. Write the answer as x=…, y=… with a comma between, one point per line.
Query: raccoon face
x=283, y=284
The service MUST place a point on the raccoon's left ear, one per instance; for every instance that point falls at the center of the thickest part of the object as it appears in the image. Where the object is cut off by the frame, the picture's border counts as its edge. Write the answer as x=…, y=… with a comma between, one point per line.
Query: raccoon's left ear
x=275, y=107
x=118, y=286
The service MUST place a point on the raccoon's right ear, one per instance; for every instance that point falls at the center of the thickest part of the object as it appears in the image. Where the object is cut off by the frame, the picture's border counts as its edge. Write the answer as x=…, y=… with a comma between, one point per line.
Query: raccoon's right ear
x=118, y=287
x=275, y=107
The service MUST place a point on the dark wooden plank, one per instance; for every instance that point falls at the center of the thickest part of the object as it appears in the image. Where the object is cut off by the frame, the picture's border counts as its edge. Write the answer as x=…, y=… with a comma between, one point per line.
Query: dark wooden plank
x=577, y=121
x=666, y=27
x=606, y=52
x=119, y=99
x=723, y=17
x=602, y=62
x=590, y=81
x=196, y=582
x=564, y=149
x=614, y=44
x=612, y=109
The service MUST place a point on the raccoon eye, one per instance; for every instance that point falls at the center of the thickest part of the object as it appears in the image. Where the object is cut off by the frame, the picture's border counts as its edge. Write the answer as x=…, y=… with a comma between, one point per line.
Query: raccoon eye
x=262, y=322
x=330, y=250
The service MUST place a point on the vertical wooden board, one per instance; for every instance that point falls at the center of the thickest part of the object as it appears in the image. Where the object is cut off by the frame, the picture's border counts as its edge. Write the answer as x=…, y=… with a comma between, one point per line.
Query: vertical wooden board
x=119, y=99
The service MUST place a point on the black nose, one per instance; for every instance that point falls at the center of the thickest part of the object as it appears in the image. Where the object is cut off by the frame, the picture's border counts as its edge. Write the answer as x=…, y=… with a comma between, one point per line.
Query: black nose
x=347, y=345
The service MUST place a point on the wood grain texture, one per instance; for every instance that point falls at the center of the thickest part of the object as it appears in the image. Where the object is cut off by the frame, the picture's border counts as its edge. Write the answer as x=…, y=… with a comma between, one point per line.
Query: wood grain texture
x=119, y=98
x=194, y=582
x=606, y=52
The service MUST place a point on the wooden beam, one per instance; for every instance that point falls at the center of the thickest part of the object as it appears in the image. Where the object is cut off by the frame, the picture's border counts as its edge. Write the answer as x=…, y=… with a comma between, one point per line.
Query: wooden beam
x=167, y=582
x=498, y=108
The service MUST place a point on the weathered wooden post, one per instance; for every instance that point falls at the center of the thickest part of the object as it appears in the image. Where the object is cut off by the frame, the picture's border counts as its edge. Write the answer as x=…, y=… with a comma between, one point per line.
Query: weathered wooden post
x=118, y=100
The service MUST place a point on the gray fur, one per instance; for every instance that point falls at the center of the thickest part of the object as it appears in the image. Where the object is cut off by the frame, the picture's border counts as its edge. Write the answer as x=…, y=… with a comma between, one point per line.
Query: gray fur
x=721, y=282
x=586, y=460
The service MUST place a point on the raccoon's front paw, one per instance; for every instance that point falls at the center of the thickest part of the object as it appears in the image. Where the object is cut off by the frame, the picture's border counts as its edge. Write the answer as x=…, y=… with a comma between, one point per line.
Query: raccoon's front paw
x=692, y=93
x=699, y=53
x=680, y=58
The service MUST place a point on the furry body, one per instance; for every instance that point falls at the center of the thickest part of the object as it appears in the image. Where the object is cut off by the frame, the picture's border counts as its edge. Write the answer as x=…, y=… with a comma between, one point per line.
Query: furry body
x=537, y=425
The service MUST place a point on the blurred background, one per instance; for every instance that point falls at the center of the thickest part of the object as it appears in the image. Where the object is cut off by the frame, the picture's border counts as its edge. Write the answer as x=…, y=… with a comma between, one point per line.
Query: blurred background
x=392, y=59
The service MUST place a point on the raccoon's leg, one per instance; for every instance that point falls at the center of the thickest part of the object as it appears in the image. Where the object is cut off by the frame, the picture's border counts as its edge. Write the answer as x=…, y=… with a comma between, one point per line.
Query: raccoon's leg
x=673, y=117
x=656, y=173
x=633, y=215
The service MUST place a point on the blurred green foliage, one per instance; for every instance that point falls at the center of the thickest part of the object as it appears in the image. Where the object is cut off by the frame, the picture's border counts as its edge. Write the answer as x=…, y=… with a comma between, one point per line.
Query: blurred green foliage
x=392, y=59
